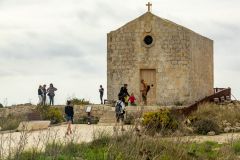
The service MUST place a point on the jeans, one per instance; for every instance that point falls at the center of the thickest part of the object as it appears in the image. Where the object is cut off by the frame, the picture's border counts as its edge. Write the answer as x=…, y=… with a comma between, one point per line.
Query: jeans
x=101, y=98
x=44, y=100
x=51, y=98
x=40, y=99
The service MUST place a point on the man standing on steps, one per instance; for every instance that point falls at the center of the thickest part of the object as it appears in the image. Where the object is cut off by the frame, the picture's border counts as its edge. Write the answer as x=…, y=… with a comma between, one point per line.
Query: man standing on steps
x=101, y=91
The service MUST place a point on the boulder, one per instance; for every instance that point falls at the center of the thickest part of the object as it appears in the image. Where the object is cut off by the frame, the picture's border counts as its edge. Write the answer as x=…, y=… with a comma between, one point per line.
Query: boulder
x=227, y=129
x=33, y=125
x=237, y=129
x=188, y=129
x=224, y=121
x=237, y=124
x=228, y=124
x=211, y=133
x=187, y=121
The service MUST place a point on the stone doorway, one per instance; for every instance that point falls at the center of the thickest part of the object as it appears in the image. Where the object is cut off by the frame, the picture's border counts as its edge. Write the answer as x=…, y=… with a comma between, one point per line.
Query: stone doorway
x=149, y=75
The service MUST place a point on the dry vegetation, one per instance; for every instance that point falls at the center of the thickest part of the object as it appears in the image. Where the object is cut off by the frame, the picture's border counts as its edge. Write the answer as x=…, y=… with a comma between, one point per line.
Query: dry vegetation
x=132, y=144
x=222, y=118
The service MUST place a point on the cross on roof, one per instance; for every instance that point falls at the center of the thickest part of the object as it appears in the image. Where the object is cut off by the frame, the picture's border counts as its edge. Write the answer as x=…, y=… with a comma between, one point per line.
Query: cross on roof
x=149, y=6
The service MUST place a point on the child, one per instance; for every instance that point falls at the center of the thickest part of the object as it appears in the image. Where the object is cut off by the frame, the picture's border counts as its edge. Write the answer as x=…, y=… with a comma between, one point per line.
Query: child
x=69, y=116
x=132, y=100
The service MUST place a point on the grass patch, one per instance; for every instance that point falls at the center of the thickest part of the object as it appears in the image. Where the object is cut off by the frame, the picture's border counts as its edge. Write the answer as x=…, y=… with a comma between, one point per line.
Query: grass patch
x=207, y=150
x=236, y=147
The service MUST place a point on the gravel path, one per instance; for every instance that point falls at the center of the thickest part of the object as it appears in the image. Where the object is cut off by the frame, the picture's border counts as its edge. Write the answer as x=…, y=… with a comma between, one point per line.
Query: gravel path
x=12, y=142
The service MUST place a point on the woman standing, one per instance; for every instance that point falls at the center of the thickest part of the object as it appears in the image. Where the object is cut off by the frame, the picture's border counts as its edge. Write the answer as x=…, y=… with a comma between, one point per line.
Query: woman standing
x=51, y=93
x=40, y=95
x=69, y=116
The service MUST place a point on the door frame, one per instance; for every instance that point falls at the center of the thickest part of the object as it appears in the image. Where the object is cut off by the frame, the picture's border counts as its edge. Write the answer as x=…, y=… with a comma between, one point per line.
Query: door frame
x=155, y=83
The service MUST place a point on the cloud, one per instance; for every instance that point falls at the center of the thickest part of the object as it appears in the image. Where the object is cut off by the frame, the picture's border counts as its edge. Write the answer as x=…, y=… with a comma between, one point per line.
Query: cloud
x=64, y=41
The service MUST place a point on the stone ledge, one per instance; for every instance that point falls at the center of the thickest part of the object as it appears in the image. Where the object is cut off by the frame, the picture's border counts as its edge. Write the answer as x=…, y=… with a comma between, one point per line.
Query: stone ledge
x=33, y=125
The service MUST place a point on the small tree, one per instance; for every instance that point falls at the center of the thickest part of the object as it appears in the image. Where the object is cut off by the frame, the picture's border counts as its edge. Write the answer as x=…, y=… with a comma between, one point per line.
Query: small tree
x=1, y=106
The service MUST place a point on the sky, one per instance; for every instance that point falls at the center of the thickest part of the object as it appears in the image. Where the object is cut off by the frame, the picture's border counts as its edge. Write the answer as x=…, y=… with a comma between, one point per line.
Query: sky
x=64, y=42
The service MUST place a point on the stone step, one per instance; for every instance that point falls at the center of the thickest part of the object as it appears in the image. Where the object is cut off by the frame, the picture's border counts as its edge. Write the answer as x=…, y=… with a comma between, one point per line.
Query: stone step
x=108, y=117
x=106, y=124
x=112, y=120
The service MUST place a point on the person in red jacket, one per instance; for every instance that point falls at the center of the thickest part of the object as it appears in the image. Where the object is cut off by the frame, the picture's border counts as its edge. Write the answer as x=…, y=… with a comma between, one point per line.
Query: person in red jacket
x=131, y=100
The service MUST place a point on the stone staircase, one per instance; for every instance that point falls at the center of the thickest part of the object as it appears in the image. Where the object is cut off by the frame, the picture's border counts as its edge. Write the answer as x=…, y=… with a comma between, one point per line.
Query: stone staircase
x=108, y=117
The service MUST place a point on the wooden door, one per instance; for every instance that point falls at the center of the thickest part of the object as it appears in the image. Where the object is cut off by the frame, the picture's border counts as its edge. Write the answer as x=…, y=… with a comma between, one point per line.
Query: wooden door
x=149, y=76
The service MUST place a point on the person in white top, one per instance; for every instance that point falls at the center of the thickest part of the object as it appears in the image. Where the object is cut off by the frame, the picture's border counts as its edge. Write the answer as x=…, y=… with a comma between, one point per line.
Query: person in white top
x=119, y=110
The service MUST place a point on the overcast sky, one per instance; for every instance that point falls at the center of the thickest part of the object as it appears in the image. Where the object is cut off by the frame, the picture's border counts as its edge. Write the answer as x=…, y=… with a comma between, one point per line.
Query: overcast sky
x=64, y=42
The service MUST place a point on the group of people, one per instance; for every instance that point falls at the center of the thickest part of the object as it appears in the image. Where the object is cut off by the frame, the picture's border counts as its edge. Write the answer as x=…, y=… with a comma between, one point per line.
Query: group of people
x=130, y=99
x=124, y=99
x=43, y=92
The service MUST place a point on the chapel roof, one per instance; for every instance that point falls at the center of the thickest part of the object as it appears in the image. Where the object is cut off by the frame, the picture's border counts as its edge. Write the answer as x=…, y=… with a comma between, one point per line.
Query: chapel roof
x=148, y=15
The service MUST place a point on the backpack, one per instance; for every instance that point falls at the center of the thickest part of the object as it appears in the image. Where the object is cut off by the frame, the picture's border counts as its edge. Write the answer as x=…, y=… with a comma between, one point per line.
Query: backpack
x=118, y=107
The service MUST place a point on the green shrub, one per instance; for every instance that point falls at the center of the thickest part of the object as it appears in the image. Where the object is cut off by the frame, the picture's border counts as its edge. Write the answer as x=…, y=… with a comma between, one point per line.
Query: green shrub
x=76, y=101
x=129, y=119
x=55, y=115
x=161, y=120
x=203, y=126
x=1, y=106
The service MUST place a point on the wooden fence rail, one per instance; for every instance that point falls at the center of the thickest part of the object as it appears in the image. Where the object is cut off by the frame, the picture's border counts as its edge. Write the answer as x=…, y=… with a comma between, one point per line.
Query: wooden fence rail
x=219, y=93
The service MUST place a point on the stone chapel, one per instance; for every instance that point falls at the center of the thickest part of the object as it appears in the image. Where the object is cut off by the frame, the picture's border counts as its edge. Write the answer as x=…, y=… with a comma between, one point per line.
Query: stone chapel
x=175, y=61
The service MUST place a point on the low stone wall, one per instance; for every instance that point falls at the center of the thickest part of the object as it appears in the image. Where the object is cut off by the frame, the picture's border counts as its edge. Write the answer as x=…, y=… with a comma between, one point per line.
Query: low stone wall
x=16, y=110
x=79, y=110
x=97, y=110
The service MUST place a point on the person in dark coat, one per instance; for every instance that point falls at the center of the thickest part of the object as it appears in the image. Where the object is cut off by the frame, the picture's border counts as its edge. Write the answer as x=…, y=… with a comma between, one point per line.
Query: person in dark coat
x=40, y=95
x=123, y=94
x=44, y=94
x=69, y=112
x=101, y=91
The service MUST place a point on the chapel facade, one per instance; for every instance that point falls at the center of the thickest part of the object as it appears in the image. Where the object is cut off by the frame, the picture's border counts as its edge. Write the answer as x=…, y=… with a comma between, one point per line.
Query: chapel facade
x=175, y=61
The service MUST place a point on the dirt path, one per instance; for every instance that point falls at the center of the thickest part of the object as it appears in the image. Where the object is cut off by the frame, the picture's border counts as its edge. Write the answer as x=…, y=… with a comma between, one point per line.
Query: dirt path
x=11, y=142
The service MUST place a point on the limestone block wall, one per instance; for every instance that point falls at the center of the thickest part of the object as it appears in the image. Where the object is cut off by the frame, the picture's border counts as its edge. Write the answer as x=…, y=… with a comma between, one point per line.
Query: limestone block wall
x=16, y=110
x=79, y=110
x=180, y=57
x=201, y=76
